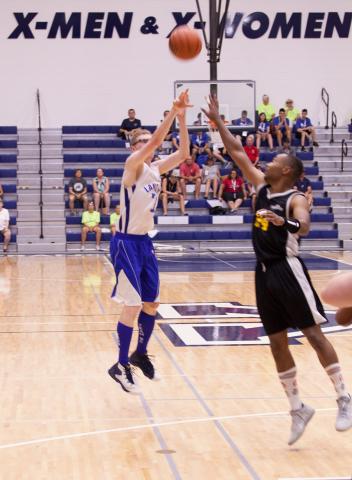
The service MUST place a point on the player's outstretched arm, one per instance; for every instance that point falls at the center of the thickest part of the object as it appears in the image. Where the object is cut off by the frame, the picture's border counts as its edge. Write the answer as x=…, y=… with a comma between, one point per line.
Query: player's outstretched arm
x=182, y=153
x=137, y=158
x=232, y=145
x=338, y=291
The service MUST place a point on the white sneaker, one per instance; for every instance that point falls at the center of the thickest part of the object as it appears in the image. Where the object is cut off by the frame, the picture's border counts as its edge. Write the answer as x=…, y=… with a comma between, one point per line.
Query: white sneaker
x=82, y=248
x=344, y=413
x=300, y=419
x=123, y=375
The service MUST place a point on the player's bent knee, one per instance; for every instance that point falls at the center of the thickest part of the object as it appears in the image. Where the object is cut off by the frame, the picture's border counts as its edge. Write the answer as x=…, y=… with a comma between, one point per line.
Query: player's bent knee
x=150, y=307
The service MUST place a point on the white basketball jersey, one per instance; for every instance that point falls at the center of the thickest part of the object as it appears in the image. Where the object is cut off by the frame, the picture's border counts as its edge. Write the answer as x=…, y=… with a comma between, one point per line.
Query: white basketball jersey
x=139, y=202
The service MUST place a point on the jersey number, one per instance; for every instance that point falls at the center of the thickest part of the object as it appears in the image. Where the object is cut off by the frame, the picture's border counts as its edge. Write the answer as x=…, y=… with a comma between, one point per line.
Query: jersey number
x=261, y=223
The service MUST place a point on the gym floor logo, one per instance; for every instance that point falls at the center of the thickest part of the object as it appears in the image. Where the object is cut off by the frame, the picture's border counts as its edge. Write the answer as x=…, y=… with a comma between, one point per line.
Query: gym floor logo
x=221, y=324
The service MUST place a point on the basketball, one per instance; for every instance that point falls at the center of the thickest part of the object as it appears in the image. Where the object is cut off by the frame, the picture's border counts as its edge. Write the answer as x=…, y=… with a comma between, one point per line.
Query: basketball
x=185, y=43
x=344, y=316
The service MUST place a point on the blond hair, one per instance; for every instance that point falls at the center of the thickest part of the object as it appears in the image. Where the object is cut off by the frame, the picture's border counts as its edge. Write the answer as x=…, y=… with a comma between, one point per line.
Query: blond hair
x=137, y=132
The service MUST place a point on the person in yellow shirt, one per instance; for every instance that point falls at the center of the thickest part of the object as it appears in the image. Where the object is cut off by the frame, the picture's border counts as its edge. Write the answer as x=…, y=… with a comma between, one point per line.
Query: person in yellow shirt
x=267, y=108
x=90, y=222
x=292, y=113
x=114, y=219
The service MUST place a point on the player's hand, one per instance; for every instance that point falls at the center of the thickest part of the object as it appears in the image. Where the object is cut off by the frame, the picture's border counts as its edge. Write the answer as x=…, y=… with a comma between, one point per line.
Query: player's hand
x=271, y=217
x=181, y=103
x=213, y=108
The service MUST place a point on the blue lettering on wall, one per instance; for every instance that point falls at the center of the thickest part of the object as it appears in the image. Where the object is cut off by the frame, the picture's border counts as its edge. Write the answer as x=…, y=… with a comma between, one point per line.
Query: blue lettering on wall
x=107, y=25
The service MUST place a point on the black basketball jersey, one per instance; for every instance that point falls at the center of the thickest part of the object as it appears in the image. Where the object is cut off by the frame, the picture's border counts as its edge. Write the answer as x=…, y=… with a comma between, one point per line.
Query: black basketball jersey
x=270, y=242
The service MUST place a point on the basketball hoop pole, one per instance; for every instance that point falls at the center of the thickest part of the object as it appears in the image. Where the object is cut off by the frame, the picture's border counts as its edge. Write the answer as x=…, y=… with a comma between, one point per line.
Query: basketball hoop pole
x=217, y=22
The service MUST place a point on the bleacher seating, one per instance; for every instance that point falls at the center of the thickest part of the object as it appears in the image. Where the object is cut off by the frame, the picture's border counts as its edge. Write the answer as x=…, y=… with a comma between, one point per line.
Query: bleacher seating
x=198, y=225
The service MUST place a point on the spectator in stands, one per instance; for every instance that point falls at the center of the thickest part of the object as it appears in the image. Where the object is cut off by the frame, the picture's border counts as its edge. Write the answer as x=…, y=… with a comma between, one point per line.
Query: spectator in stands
x=304, y=185
x=190, y=173
x=286, y=148
x=171, y=191
x=243, y=121
x=292, y=113
x=263, y=131
x=4, y=226
x=175, y=140
x=128, y=124
x=1, y=192
x=77, y=190
x=198, y=120
x=282, y=127
x=232, y=190
x=267, y=108
x=200, y=143
x=304, y=129
x=169, y=133
x=101, y=191
x=210, y=176
x=90, y=222
x=114, y=219
x=252, y=151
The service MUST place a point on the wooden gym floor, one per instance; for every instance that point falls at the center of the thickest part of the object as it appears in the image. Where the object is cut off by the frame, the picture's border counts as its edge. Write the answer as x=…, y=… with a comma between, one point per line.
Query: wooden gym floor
x=219, y=411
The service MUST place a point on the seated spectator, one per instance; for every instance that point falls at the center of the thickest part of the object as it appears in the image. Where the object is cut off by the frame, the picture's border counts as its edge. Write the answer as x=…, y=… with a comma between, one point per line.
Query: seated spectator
x=190, y=174
x=171, y=191
x=263, y=132
x=232, y=190
x=282, y=127
x=267, y=108
x=128, y=124
x=4, y=226
x=200, y=143
x=114, y=220
x=1, y=192
x=286, y=148
x=90, y=221
x=77, y=191
x=101, y=188
x=198, y=120
x=305, y=129
x=243, y=121
x=252, y=151
x=292, y=113
x=217, y=147
x=175, y=140
x=210, y=176
x=303, y=185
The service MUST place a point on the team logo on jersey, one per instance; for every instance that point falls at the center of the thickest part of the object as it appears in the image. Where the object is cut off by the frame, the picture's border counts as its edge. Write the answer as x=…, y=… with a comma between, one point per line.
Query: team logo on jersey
x=220, y=324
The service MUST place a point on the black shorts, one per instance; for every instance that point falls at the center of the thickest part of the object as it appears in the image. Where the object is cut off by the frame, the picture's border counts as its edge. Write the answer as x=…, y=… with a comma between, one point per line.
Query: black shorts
x=231, y=196
x=286, y=297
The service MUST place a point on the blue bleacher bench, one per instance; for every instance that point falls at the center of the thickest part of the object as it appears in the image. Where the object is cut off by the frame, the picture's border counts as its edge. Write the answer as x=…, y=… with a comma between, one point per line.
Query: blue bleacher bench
x=8, y=173
x=92, y=172
x=98, y=158
x=8, y=143
x=10, y=130
x=8, y=158
x=94, y=144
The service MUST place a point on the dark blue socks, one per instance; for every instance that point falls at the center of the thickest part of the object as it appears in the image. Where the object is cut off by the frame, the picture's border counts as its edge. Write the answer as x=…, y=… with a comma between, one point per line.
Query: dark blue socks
x=125, y=334
x=146, y=324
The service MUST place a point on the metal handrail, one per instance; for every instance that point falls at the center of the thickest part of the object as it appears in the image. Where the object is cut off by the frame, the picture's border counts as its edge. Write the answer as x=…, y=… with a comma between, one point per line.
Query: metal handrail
x=326, y=100
x=344, y=152
x=40, y=144
x=333, y=125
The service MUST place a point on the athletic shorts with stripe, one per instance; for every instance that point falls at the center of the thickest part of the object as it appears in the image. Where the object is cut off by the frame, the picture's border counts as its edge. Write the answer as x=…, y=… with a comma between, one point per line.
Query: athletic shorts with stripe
x=286, y=297
x=136, y=269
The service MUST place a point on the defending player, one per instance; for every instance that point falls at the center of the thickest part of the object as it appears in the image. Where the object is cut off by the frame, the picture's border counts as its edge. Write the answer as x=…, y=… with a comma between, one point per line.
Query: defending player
x=131, y=249
x=285, y=295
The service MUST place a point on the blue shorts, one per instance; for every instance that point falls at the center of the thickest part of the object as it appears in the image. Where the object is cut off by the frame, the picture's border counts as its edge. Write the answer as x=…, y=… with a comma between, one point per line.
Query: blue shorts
x=136, y=269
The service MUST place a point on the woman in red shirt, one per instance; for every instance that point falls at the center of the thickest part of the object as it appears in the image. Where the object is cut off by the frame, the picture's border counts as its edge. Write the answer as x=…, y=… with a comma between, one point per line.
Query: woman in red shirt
x=233, y=191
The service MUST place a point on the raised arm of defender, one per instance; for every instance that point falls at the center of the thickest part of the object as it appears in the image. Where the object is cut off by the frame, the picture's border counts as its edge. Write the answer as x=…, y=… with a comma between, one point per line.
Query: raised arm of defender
x=232, y=145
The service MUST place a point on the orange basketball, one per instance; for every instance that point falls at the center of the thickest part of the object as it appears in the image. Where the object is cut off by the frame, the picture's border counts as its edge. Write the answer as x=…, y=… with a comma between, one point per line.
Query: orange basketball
x=344, y=316
x=185, y=43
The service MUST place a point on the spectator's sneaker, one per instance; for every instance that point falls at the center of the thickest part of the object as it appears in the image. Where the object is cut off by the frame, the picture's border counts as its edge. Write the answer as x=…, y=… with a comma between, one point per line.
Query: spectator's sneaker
x=344, y=413
x=303, y=149
x=315, y=144
x=143, y=362
x=82, y=248
x=300, y=419
x=123, y=375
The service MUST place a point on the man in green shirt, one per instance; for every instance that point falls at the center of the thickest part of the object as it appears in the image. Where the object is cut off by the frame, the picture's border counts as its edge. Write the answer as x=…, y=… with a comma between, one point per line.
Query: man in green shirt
x=292, y=113
x=114, y=219
x=267, y=108
x=90, y=221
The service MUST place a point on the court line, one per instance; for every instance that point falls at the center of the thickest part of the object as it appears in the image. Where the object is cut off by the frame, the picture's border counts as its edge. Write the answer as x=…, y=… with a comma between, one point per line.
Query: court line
x=344, y=262
x=218, y=425
x=315, y=478
x=69, y=436
x=156, y=430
